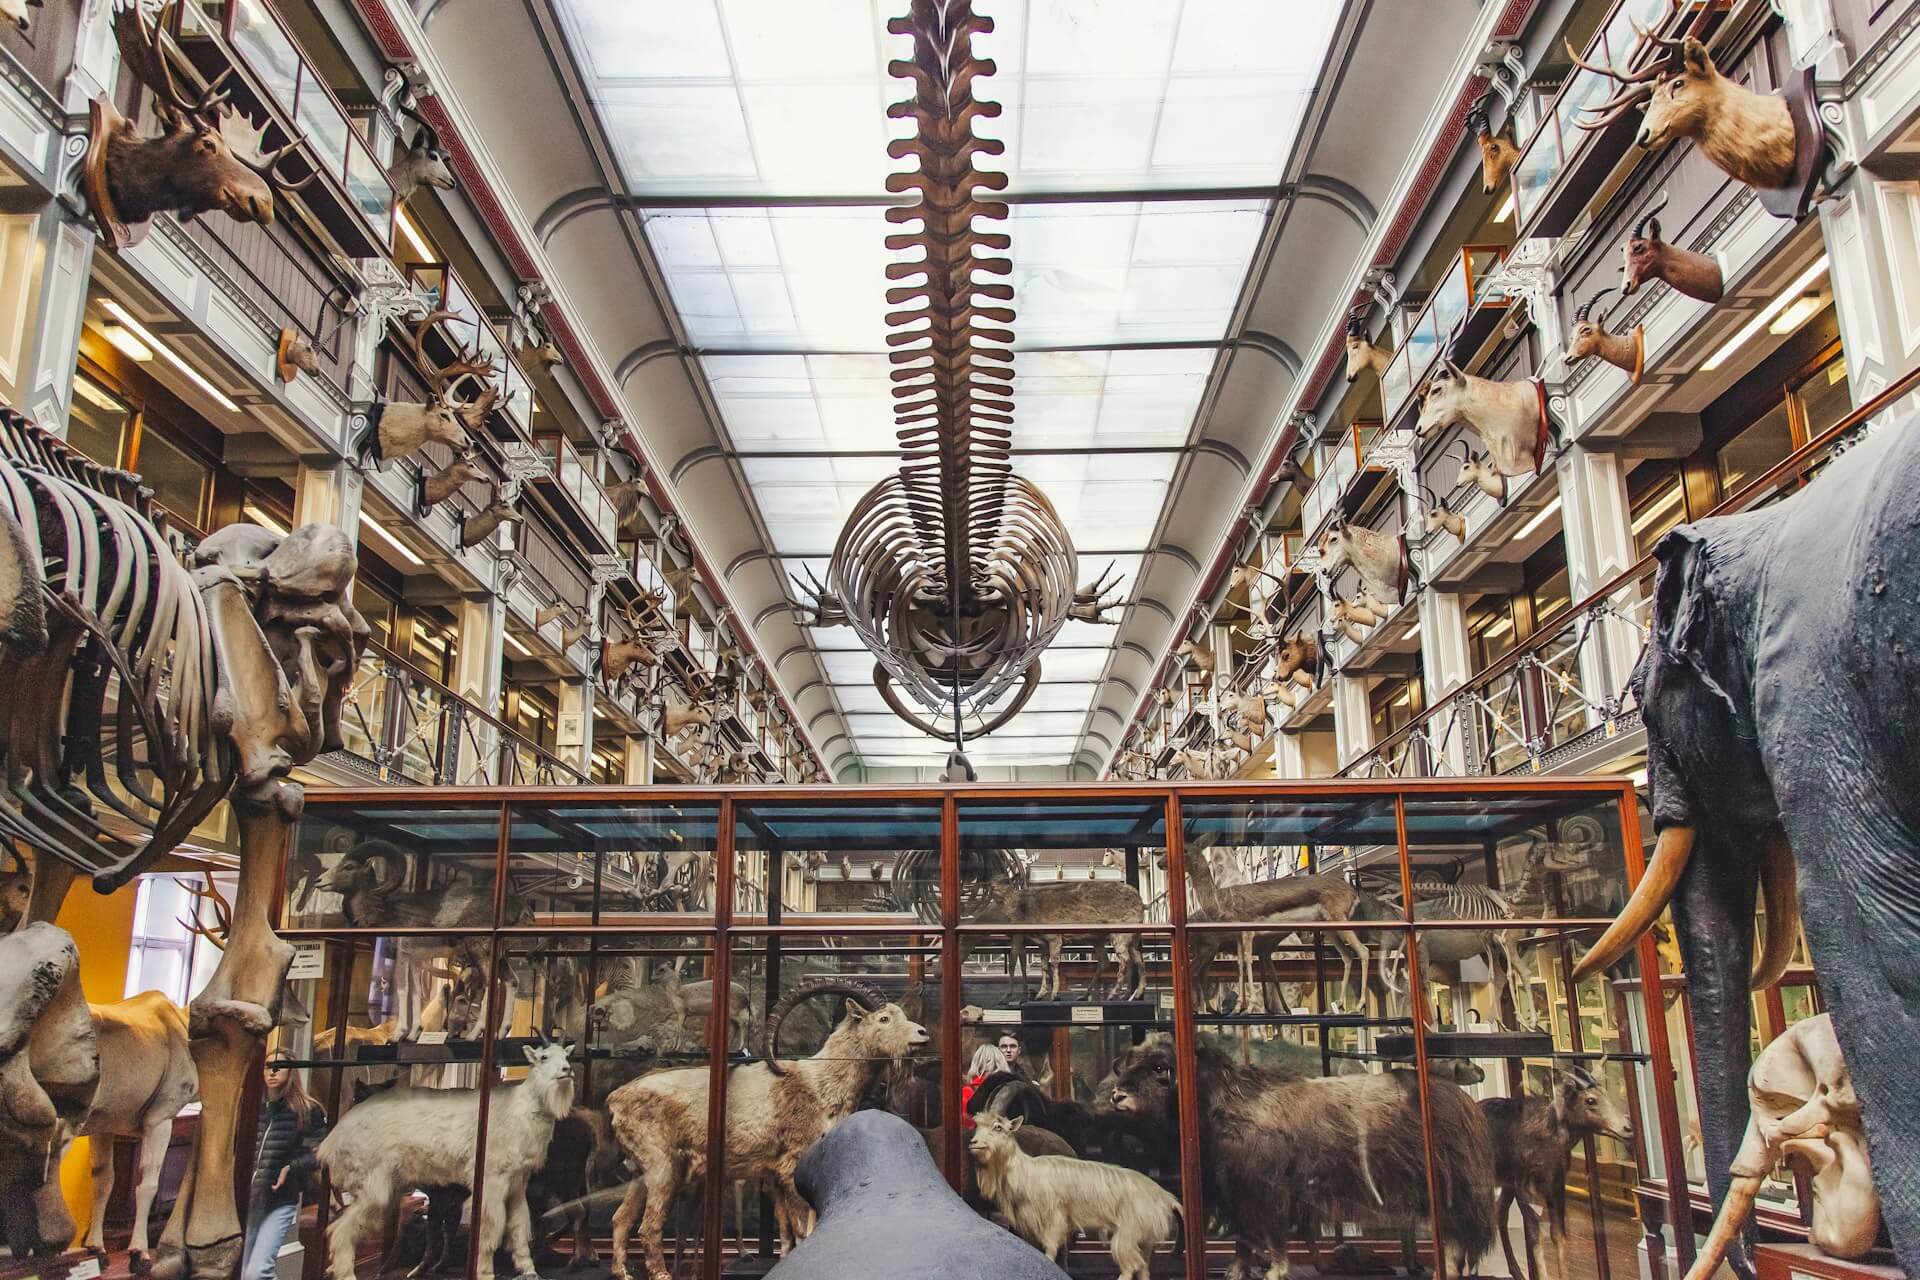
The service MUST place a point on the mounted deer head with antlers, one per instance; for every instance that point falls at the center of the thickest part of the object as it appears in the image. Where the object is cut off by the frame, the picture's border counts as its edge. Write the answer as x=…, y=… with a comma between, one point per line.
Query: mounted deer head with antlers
x=207, y=156
x=1498, y=151
x=1647, y=257
x=501, y=509
x=443, y=418
x=1590, y=337
x=1362, y=355
x=1748, y=136
x=420, y=163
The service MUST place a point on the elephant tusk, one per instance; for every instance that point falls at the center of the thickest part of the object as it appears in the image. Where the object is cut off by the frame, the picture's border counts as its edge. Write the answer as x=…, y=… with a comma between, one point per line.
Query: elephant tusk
x=1649, y=899
x=1782, y=894
x=1726, y=1225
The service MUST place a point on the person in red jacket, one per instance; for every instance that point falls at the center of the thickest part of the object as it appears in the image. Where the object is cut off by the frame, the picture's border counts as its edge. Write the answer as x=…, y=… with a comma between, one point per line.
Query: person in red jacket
x=986, y=1060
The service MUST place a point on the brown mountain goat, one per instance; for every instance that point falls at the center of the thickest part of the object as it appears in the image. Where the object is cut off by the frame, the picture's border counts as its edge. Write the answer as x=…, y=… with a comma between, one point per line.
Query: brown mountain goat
x=1281, y=1153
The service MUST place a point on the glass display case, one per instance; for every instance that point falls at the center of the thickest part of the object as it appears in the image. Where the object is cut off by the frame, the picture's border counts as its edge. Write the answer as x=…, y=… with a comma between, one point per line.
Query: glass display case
x=1395, y=956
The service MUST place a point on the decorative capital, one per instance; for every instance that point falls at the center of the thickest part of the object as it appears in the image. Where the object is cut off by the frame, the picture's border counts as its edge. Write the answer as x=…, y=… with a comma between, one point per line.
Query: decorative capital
x=522, y=462
x=387, y=295
x=1380, y=283
x=606, y=567
x=609, y=432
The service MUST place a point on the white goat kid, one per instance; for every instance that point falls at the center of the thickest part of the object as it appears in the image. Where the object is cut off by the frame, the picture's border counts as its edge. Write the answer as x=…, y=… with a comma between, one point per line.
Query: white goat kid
x=1048, y=1198
x=406, y=1138
x=776, y=1109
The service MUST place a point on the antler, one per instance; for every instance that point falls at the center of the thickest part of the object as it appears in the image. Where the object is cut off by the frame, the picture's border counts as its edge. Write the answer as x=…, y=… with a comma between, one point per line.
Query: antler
x=222, y=925
x=464, y=365
x=141, y=50
x=1640, y=83
x=245, y=139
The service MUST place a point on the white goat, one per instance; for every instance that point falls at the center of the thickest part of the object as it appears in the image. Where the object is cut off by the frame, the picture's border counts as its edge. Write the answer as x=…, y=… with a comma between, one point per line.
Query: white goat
x=776, y=1109
x=1048, y=1198
x=407, y=1138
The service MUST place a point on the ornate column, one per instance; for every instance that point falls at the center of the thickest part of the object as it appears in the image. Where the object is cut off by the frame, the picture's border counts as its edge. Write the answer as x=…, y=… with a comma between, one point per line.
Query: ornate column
x=478, y=678
x=1446, y=660
x=1597, y=525
x=574, y=738
x=48, y=256
x=328, y=492
x=1352, y=717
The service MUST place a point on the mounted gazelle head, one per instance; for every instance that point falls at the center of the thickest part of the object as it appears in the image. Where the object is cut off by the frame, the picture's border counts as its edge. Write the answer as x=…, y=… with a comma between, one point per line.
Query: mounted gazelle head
x=1352, y=620
x=1590, y=337
x=1361, y=353
x=1646, y=257
x=208, y=155
x=480, y=526
x=1443, y=398
x=1441, y=516
x=1498, y=151
x=420, y=163
x=1748, y=136
x=1481, y=474
x=1198, y=654
x=456, y=475
x=442, y=417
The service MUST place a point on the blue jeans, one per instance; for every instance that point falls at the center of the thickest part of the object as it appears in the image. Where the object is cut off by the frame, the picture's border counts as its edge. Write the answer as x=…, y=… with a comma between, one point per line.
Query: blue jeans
x=267, y=1230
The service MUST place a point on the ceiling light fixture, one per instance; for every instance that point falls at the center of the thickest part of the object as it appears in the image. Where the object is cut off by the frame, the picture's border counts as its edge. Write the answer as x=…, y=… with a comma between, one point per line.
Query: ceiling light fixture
x=1763, y=317
x=1802, y=310
x=1506, y=209
x=128, y=345
x=367, y=523
x=411, y=233
x=172, y=357
x=1533, y=526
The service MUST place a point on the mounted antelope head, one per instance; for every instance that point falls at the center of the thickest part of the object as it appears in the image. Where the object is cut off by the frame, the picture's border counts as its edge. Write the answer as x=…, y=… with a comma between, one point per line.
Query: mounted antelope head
x=1198, y=654
x=1284, y=693
x=1647, y=257
x=1250, y=707
x=15, y=11
x=1238, y=740
x=551, y=613
x=1203, y=764
x=1590, y=337
x=1498, y=151
x=1480, y=473
x=1362, y=355
x=1441, y=516
x=478, y=527
x=1353, y=619
x=1510, y=417
x=1748, y=136
x=403, y=428
x=1381, y=560
x=208, y=156
x=677, y=720
x=1297, y=661
x=421, y=163
x=293, y=356
x=443, y=484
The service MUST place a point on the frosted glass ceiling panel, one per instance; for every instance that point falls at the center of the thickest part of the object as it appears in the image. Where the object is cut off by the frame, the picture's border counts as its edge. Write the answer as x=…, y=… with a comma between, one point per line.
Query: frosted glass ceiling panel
x=862, y=696
x=1073, y=664
x=777, y=97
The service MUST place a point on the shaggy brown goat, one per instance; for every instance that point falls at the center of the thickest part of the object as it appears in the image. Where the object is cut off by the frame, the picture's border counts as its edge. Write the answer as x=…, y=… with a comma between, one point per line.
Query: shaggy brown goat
x=1281, y=1154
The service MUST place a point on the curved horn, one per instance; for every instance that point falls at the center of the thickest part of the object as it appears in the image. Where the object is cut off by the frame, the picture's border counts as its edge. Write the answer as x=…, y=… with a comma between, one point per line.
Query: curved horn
x=387, y=855
x=1650, y=898
x=1651, y=214
x=1584, y=311
x=1782, y=894
x=1357, y=320
x=866, y=996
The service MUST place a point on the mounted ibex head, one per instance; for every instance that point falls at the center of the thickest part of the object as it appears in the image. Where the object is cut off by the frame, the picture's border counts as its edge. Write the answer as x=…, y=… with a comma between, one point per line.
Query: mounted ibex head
x=1590, y=337
x=403, y=428
x=1498, y=151
x=1440, y=515
x=208, y=156
x=423, y=162
x=478, y=527
x=1361, y=353
x=1647, y=257
x=443, y=484
x=1748, y=136
x=1480, y=473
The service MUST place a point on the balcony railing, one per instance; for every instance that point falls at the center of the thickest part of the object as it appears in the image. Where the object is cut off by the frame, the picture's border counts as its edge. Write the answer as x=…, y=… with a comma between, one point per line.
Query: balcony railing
x=1341, y=466
x=403, y=726
x=1565, y=683
x=1444, y=316
x=444, y=289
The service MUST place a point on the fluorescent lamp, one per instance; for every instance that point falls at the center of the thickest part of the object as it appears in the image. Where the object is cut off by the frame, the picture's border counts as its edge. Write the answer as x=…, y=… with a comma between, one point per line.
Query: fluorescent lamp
x=168, y=354
x=1801, y=311
x=1506, y=209
x=368, y=524
x=129, y=346
x=262, y=519
x=1763, y=317
x=1413, y=631
x=1658, y=509
x=1533, y=525
x=1499, y=628
x=514, y=641
x=412, y=235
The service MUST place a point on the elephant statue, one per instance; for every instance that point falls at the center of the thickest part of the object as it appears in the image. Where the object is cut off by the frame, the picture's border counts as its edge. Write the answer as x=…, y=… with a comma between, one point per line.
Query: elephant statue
x=1780, y=687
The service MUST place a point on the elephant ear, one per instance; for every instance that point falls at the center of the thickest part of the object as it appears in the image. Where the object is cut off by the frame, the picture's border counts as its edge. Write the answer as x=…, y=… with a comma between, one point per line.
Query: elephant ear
x=1686, y=630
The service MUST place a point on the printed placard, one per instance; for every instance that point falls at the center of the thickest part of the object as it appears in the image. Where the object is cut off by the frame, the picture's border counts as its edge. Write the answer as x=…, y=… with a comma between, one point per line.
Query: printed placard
x=433, y=1037
x=85, y=1269
x=999, y=1015
x=1088, y=1013
x=309, y=961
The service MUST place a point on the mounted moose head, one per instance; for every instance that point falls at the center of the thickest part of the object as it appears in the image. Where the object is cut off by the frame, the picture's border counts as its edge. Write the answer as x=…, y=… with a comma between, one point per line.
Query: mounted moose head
x=403, y=428
x=422, y=163
x=1590, y=337
x=478, y=527
x=1510, y=417
x=1748, y=136
x=1385, y=568
x=1498, y=151
x=1361, y=353
x=207, y=156
x=443, y=484
x=1441, y=516
x=1647, y=257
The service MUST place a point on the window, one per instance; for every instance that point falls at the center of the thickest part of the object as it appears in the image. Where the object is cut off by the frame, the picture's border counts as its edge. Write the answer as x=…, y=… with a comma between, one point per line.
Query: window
x=1824, y=398
x=165, y=955
x=179, y=480
x=433, y=647
x=1490, y=630
x=1657, y=510
x=376, y=607
x=1550, y=597
x=1393, y=704
x=1755, y=449
x=97, y=425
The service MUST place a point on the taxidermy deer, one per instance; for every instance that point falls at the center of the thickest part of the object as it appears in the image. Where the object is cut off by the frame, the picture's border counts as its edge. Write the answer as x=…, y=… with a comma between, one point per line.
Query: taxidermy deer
x=442, y=418
x=1198, y=654
x=1362, y=355
x=479, y=527
x=1510, y=417
x=1590, y=337
x=551, y=613
x=1349, y=619
x=617, y=657
x=1498, y=151
x=15, y=11
x=1748, y=136
x=207, y=156
x=1381, y=560
x=1440, y=516
x=1648, y=257
x=449, y=480
x=422, y=164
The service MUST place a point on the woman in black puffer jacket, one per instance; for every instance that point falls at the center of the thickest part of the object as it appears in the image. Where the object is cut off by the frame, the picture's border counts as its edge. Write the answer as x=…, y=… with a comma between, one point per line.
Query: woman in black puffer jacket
x=291, y=1126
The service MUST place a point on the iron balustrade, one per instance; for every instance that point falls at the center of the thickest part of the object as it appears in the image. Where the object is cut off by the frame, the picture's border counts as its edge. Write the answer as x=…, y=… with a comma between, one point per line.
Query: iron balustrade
x=1567, y=681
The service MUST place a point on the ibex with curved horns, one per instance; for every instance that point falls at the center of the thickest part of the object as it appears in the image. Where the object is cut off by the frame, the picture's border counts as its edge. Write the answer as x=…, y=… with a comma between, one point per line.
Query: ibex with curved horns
x=1439, y=515
x=1498, y=151
x=1590, y=337
x=1481, y=474
x=1647, y=257
x=1748, y=136
x=208, y=155
x=1361, y=353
